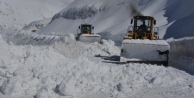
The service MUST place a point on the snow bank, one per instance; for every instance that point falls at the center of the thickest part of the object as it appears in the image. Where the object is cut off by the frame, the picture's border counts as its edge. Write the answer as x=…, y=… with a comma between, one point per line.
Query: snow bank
x=27, y=38
x=25, y=68
x=118, y=81
x=68, y=68
x=182, y=54
x=183, y=46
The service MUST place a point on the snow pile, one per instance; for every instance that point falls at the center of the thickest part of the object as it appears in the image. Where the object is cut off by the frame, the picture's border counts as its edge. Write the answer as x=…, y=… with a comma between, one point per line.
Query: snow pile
x=27, y=38
x=120, y=81
x=67, y=68
x=79, y=49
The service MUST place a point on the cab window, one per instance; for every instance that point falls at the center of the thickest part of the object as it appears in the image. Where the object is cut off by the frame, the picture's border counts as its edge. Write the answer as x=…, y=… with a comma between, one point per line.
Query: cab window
x=139, y=22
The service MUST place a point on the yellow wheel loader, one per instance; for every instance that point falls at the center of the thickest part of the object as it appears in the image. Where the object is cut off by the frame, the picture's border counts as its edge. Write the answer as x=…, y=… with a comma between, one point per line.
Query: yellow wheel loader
x=142, y=43
x=84, y=34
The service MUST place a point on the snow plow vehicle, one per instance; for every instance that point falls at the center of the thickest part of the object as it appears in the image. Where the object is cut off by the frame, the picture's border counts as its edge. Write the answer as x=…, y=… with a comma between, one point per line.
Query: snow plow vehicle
x=85, y=34
x=142, y=43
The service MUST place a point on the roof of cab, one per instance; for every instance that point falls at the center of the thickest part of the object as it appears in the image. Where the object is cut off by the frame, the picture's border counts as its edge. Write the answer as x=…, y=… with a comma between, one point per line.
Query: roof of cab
x=86, y=24
x=144, y=17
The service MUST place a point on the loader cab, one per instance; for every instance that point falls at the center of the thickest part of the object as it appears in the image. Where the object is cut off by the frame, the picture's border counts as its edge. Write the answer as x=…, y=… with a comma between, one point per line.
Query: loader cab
x=143, y=21
x=85, y=33
x=86, y=29
x=142, y=28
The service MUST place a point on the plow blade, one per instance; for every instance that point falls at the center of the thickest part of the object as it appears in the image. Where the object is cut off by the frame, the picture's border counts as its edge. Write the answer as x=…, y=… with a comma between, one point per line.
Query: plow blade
x=153, y=51
x=89, y=38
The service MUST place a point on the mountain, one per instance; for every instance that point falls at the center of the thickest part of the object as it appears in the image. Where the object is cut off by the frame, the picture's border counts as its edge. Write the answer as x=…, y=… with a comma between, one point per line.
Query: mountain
x=42, y=59
x=18, y=13
x=111, y=18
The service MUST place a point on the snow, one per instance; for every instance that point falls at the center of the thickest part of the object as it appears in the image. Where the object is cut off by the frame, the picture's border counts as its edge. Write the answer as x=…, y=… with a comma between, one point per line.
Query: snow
x=182, y=54
x=146, y=41
x=50, y=63
x=112, y=18
x=144, y=50
x=18, y=13
x=182, y=17
x=104, y=19
x=59, y=70
x=85, y=35
x=89, y=38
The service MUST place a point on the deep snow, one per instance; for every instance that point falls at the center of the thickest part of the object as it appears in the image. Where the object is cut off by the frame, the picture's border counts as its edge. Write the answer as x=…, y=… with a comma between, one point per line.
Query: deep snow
x=54, y=65
x=67, y=68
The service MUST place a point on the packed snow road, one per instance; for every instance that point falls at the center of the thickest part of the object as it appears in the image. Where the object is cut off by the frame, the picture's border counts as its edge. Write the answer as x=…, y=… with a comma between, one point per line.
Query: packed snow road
x=65, y=68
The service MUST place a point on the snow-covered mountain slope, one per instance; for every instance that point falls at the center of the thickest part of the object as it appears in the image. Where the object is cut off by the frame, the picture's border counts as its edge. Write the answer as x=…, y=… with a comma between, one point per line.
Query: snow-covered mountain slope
x=67, y=68
x=109, y=17
x=181, y=13
x=112, y=18
x=18, y=13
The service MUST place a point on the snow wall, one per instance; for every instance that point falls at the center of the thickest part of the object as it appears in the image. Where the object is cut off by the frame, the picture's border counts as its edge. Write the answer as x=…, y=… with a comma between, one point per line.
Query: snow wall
x=182, y=54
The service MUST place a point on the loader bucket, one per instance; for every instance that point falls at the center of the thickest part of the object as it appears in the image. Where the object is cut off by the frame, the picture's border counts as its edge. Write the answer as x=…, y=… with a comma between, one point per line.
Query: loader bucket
x=89, y=38
x=137, y=50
